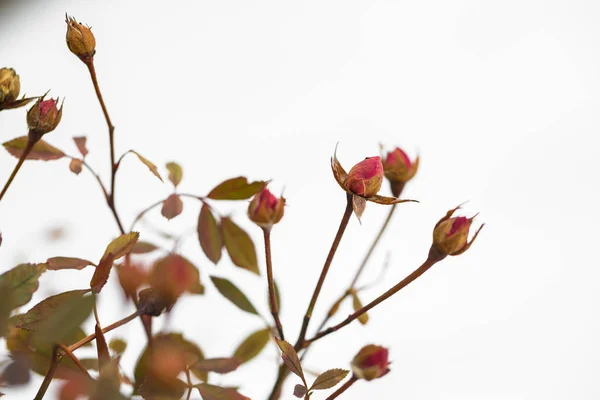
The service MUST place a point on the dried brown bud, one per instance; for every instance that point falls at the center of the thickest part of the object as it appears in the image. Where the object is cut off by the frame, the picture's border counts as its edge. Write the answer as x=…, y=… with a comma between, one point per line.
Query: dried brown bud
x=43, y=117
x=10, y=86
x=80, y=40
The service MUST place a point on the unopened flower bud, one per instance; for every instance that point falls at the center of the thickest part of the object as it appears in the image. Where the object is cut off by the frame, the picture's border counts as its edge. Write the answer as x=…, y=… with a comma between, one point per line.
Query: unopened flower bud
x=399, y=169
x=43, y=117
x=265, y=209
x=365, y=178
x=451, y=235
x=80, y=40
x=10, y=86
x=371, y=362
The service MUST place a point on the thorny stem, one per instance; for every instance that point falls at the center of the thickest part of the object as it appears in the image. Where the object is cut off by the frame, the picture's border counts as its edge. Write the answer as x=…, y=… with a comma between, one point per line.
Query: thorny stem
x=434, y=257
x=272, y=298
x=343, y=388
x=338, y=237
x=26, y=151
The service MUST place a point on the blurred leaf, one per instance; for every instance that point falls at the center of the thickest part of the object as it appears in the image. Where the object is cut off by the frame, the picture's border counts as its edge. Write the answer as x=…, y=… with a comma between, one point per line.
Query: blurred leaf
x=239, y=246
x=57, y=263
x=101, y=348
x=118, y=345
x=175, y=173
x=218, y=365
x=35, y=318
x=148, y=164
x=101, y=273
x=17, y=372
x=290, y=358
x=22, y=281
x=300, y=391
x=172, y=206
x=121, y=245
x=41, y=150
x=209, y=234
x=166, y=389
x=329, y=379
x=233, y=294
x=212, y=392
x=90, y=363
x=253, y=345
x=76, y=166
x=236, y=189
x=364, y=318
x=143, y=247
x=80, y=142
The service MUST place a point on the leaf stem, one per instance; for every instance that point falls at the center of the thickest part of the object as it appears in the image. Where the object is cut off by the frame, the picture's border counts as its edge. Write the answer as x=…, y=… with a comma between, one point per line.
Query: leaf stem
x=74, y=358
x=49, y=375
x=272, y=298
x=26, y=151
x=109, y=328
x=343, y=388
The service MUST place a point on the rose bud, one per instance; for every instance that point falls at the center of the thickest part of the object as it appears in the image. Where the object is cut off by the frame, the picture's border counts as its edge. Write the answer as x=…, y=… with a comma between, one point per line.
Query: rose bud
x=10, y=86
x=399, y=169
x=371, y=362
x=80, y=40
x=43, y=117
x=451, y=234
x=265, y=209
x=364, y=179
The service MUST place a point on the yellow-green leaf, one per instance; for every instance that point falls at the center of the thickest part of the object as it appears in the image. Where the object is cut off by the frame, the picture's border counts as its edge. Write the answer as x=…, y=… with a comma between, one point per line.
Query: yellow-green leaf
x=233, y=294
x=57, y=263
x=22, y=281
x=253, y=345
x=213, y=392
x=175, y=173
x=290, y=358
x=148, y=164
x=35, y=317
x=121, y=245
x=364, y=318
x=239, y=246
x=118, y=345
x=236, y=189
x=329, y=379
x=218, y=365
x=143, y=247
x=209, y=235
x=41, y=150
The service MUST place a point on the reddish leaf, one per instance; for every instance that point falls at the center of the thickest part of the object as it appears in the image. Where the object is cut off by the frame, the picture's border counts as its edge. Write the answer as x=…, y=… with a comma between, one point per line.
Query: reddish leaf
x=102, y=348
x=236, y=189
x=22, y=282
x=172, y=206
x=175, y=173
x=218, y=365
x=102, y=273
x=253, y=345
x=329, y=379
x=148, y=164
x=212, y=392
x=41, y=150
x=76, y=166
x=300, y=391
x=209, y=234
x=239, y=246
x=290, y=358
x=143, y=247
x=80, y=142
x=233, y=294
x=58, y=263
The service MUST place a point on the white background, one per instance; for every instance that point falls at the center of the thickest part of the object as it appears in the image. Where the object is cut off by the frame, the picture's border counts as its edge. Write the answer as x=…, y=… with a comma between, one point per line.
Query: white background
x=499, y=98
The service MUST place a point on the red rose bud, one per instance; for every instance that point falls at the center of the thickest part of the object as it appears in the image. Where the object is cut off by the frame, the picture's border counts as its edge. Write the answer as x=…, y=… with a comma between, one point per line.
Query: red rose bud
x=399, y=169
x=451, y=234
x=371, y=362
x=265, y=209
x=80, y=40
x=43, y=117
x=10, y=86
x=364, y=179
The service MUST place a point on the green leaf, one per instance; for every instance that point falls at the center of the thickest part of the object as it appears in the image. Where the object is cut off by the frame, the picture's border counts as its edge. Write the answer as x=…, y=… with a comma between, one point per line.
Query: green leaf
x=364, y=318
x=57, y=263
x=218, y=365
x=239, y=246
x=233, y=294
x=121, y=245
x=175, y=173
x=118, y=345
x=329, y=379
x=41, y=150
x=35, y=318
x=236, y=189
x=290, y=358
x=212, y=392
x=172, y=206
x=148, y=164
x=22, y=281
x=143, y=248
x=209, y=234
x=253, y=345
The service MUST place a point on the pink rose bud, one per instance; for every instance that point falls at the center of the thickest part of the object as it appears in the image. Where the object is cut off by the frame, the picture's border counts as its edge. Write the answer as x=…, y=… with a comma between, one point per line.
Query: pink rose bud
x=399, y=169
x=371, y=362
x=265, y=209
x=451, y=235
x=43, y=117
x=365, y=178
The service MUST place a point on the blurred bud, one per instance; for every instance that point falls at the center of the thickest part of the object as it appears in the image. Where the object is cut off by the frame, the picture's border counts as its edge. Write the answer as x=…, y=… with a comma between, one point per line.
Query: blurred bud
x=10, y=86
x=80, y=40
x=173, y=275
x=399, y=169
x=371, y=362
x=131, y=277
x=265, y=209
x=365, y=178
x=43, y=117
x=151, y=303
x=451, y=234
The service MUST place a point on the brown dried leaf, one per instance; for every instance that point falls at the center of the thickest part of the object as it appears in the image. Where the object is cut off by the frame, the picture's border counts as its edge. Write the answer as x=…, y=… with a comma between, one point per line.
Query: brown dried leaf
x=212, y=392
x=290, y=358
x=239, y=245
x=22, y=281
x=338, y=171
x=102, y=273
x=253, y=345
x=148, y=164
x=209, y=235
x=329, y=379
x=80, y=142
x=236, y=189
x=121, y=245
x=175, y=173
x=76, y=166
x=233, y=294
x=58, y=263
x=356, y=303
x=143, y=248
x=300, y=391
x=172, y=206
x=218, y=365
x=41, y=150
x=358, y=204
x=388, y=200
